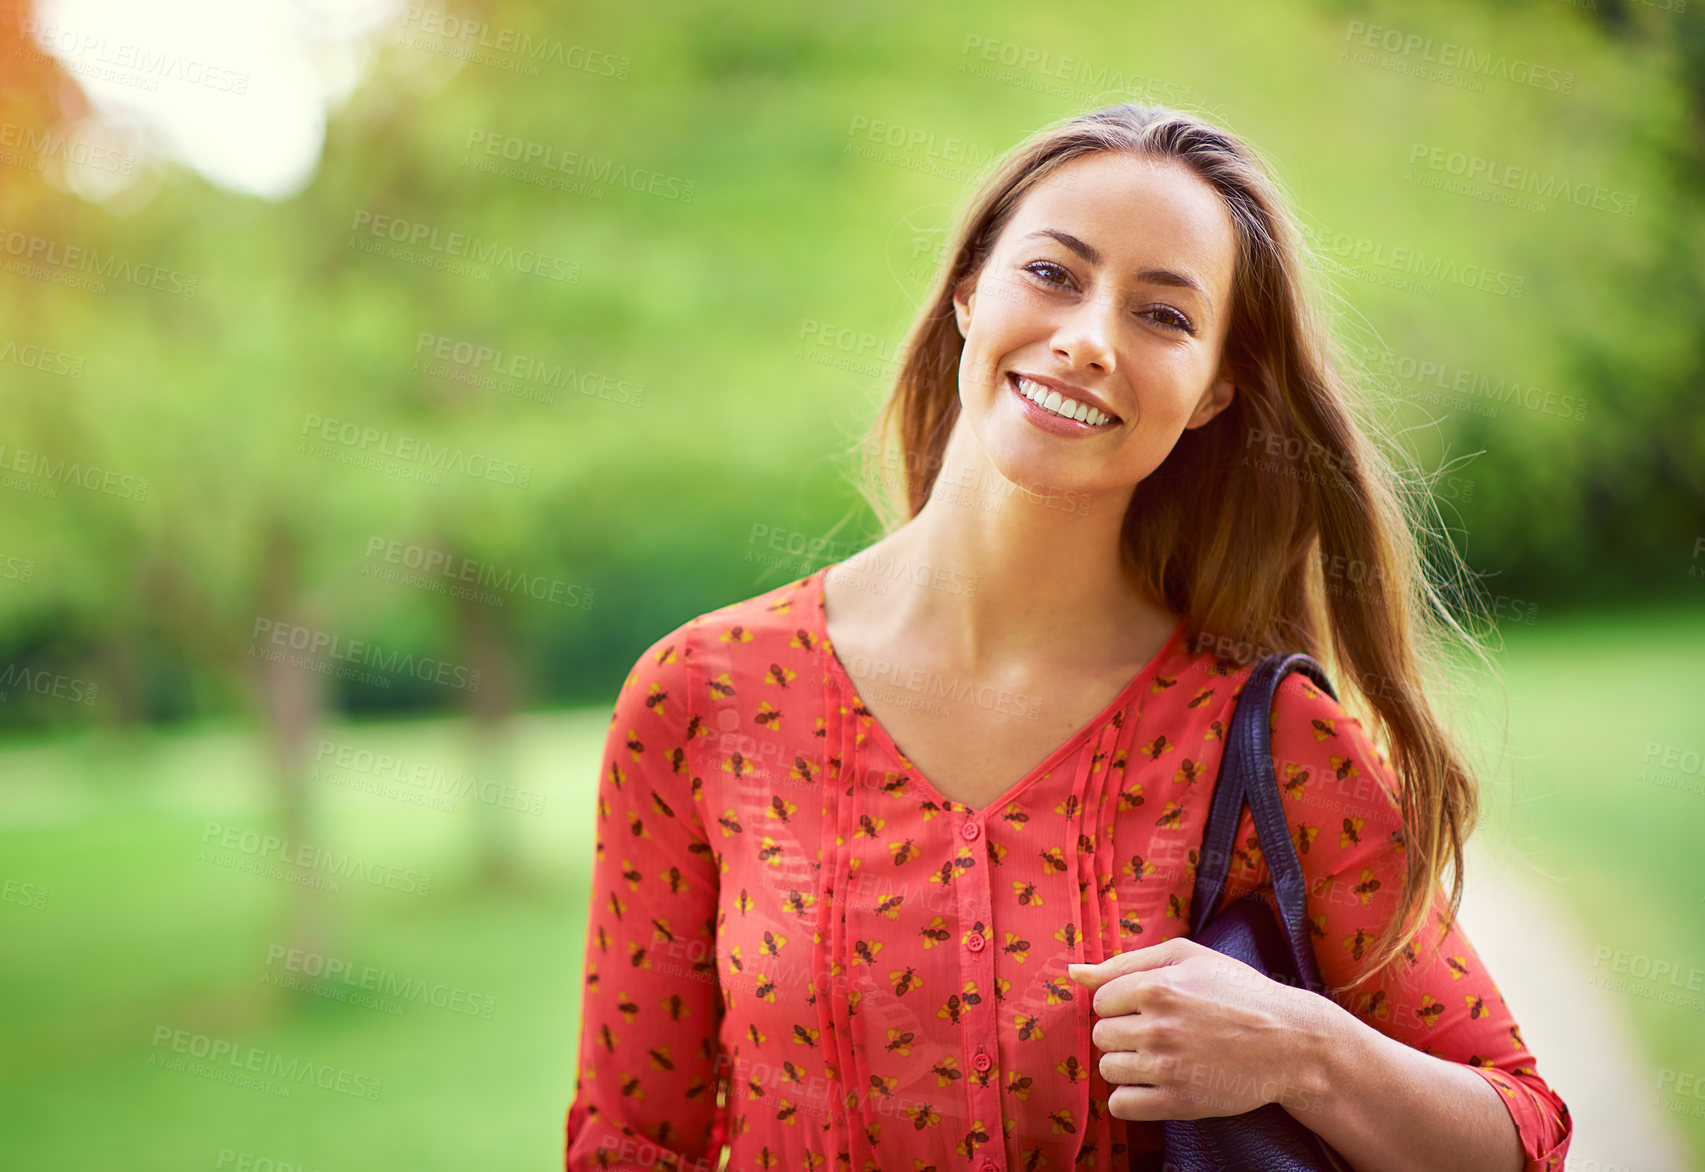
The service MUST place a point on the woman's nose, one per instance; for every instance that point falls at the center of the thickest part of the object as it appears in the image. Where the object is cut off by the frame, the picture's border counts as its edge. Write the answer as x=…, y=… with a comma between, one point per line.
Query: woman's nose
x=1085, y=337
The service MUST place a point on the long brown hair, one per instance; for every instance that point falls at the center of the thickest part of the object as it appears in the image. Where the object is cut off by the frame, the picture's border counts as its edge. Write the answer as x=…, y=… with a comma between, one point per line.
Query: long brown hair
x=1277, y=526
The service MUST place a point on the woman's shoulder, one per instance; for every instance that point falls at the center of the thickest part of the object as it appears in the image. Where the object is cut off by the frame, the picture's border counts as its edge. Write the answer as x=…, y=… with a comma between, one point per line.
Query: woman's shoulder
x=1326, y=756
x=762, y=629
x=1321, y=752
x=782, y=610
x=1196, y=685
x=1298, y=701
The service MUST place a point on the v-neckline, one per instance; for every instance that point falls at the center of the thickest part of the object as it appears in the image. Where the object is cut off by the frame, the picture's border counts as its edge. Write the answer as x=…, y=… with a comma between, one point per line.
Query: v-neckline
x=843, y=681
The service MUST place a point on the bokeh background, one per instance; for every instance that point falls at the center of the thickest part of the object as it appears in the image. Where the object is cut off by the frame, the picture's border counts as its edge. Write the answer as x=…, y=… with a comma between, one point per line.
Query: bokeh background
x=378, y=379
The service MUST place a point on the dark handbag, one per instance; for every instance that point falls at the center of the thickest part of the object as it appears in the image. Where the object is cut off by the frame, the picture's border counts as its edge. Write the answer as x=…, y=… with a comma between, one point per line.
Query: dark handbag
x=1269, y=1138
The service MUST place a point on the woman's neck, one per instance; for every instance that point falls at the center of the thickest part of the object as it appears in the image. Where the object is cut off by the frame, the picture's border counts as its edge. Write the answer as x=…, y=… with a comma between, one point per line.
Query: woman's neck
x=988, y=575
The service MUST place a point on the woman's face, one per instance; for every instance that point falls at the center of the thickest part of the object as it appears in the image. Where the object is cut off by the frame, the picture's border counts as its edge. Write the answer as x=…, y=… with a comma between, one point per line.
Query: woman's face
x=1113, y=278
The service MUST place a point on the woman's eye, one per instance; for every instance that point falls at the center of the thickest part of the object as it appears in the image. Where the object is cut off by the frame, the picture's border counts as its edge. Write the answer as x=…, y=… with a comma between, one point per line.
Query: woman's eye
x=1058, y=277
x=1174, y=320
x=1045, y=270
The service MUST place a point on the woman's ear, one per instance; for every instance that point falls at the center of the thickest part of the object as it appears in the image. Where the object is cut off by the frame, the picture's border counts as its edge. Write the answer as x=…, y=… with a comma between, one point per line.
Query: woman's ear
x=1216, y=400
x=964, y=296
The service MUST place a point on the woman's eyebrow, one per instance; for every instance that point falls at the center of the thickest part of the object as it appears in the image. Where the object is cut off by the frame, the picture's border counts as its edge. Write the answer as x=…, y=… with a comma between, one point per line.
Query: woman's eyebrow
x=1152, y=276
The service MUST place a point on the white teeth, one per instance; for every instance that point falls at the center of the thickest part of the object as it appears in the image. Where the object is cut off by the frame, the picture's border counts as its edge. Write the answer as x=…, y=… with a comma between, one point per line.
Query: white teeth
x=1058, y=404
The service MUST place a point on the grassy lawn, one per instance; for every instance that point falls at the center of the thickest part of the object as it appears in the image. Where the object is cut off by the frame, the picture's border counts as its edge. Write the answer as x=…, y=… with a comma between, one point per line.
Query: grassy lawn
x=1594, y=708
x=139, y=935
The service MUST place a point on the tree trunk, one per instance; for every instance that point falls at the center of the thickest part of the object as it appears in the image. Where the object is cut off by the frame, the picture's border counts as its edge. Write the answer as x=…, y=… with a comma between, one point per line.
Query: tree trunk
x=492, y=708
x=292, y=701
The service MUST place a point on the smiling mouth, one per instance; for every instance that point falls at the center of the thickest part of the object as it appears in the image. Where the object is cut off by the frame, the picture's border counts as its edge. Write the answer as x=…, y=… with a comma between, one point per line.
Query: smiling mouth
x=1055, y=403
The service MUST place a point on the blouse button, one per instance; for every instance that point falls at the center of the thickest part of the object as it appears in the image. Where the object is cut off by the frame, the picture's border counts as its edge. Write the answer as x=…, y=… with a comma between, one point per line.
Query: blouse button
x=971, y=831
x=982, y=1061
x=989, y=1167
x=975, y=942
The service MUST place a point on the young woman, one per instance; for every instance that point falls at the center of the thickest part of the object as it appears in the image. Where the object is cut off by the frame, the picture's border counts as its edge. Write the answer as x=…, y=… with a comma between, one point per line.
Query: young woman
x=1130, y=468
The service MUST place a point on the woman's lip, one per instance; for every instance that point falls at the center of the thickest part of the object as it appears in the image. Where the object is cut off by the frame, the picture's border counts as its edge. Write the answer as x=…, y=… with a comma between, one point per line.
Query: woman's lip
x=1048, y=421
x=1012, y=377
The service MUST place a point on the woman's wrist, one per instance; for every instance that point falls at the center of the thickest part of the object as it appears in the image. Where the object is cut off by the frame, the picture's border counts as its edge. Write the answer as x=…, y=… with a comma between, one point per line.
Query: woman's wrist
x=1384, y=1106
x=1325, y=1045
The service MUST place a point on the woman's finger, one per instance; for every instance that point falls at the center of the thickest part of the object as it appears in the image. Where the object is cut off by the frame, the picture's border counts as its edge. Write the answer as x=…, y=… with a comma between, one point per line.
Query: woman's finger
x=1169, y=1102
x=1127, y=1068
x=1124, y=1032
x=1138, y=1103
x=1118, y=996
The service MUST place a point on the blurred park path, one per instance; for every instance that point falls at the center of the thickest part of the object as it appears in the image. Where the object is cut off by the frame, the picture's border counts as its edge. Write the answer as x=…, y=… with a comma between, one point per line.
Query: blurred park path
x=1579, y=1032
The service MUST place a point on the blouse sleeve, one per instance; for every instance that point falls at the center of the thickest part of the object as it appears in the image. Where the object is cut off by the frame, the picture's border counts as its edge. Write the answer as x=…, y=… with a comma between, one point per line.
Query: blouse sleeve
x=651, y=1009
x=1341, y=803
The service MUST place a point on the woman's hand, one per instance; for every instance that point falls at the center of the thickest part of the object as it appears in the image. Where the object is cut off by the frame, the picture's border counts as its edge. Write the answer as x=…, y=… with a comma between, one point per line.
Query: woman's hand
x=1188, y=1033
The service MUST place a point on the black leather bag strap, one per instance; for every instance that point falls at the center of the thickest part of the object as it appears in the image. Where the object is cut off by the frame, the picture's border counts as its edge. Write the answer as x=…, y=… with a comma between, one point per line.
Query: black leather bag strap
x=1246, y=777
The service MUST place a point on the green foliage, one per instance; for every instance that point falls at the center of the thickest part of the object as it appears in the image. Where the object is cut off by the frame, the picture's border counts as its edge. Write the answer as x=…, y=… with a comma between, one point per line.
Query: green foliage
x=712, y=311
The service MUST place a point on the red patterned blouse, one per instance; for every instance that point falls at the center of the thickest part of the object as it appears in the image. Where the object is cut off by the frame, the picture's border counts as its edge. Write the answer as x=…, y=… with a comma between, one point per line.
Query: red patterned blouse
x=798, y=949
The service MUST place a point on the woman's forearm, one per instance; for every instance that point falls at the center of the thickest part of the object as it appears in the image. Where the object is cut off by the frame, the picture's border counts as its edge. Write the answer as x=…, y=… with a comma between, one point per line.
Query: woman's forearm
x=1387, y=1107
